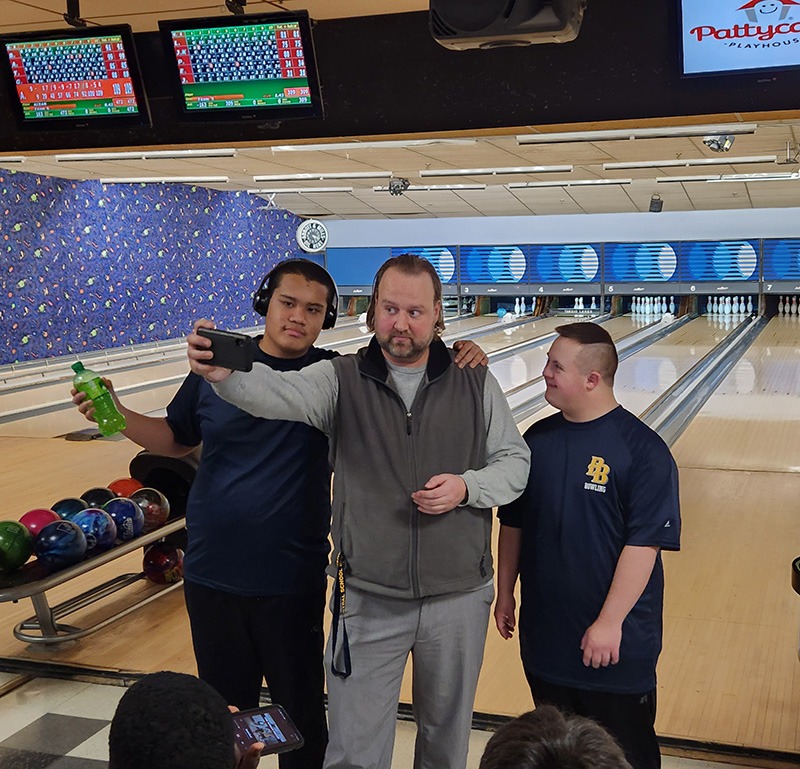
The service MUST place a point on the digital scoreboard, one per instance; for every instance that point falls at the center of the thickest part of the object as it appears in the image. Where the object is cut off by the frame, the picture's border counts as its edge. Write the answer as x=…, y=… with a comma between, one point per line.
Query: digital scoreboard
x=234, y=68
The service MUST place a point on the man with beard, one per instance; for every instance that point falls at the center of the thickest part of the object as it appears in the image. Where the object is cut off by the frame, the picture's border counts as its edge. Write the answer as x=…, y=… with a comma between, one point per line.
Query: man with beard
x=422, y=451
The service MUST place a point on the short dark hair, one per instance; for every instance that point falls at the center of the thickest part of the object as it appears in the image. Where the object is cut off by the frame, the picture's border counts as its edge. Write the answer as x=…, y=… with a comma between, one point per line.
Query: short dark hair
x=546, y=739
x=171, y=721
x=305, y=268
x=409, y=264
x=603, y=356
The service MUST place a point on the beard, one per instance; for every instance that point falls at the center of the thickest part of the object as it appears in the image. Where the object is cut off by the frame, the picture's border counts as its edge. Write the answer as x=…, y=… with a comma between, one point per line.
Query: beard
x=405, y=347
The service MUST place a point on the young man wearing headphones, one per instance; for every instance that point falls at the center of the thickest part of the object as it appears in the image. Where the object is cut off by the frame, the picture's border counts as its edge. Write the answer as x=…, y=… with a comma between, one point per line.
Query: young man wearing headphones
x=258, y=517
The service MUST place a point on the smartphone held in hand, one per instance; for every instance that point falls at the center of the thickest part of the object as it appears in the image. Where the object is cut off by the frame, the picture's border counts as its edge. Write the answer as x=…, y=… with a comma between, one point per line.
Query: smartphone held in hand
x=231, y=350
x=270, y=725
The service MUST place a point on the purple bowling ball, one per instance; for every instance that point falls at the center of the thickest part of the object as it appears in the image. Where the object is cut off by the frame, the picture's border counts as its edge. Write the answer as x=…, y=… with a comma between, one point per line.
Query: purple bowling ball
x=127, y=515
x=60, y=544
x=99, y=528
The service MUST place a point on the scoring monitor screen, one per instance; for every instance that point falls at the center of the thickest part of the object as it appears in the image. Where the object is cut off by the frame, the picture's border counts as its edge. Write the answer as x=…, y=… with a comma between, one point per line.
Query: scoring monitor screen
x=63, y=77
x=737, y=36
x=262, y=65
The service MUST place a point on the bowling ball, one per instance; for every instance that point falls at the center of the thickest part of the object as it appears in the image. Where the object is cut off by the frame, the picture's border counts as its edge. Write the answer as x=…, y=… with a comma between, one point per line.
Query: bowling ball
x=155, y=507
x=60, y=544
x=163, y=563
x=124, y=487
x=97, y=497
x=99, y=528
x=16, y=545
x=127, y=515
x=35, y=520
x=501, y=311
x=69, y=507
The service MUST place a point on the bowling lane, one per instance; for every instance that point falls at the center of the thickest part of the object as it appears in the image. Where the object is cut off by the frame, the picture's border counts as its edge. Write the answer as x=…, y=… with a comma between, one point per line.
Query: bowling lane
x=646, y=375
x=524, y=366
x=508, y=336
x=752, y=422
x=739, y=464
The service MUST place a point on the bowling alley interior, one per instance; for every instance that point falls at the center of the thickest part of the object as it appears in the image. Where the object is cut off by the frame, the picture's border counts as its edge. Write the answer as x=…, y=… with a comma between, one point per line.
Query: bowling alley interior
x=556, y=161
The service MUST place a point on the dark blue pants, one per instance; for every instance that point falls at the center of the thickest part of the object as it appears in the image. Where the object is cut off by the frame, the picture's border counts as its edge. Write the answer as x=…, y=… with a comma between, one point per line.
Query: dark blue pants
x=238, y=640
x=628, y=718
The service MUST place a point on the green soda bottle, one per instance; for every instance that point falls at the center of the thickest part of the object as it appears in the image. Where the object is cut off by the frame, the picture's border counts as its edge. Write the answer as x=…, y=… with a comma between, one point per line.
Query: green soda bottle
x=108, y=419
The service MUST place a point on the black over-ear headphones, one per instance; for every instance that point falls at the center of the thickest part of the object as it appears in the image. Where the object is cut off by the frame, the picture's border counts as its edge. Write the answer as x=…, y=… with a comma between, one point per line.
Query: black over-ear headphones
x=309, y=270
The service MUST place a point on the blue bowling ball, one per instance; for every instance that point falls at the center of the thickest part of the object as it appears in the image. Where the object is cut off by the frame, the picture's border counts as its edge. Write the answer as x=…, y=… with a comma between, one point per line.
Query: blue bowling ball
x=60, y=544
x=99, y=528
x=127, y=515
x=68, y=508
x=501, y=311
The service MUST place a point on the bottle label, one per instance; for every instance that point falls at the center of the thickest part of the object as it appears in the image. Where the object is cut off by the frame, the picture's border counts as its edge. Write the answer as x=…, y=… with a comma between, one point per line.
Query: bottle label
x=94, y=388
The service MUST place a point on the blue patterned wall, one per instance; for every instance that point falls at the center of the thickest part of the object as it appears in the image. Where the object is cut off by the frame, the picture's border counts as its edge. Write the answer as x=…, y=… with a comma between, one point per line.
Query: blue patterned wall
x=84, y=266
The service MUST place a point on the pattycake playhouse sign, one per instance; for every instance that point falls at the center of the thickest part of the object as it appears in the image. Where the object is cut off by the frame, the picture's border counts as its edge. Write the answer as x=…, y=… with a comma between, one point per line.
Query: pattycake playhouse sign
x=733, y=36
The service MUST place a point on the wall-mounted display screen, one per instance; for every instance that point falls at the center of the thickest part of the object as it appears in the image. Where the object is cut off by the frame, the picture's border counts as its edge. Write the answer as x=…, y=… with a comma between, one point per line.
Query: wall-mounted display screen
x=573, y=263
x=441, y=257
x=640, y=262
x=75, y=77
x=493, y=264
x=716, y=260
x=782, y=259
x=735, y=36
x=244, y=66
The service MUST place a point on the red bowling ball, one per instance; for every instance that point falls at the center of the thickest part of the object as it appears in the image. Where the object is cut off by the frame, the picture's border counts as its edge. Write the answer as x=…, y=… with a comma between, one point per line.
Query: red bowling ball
x=124, y=487
x=35, y=520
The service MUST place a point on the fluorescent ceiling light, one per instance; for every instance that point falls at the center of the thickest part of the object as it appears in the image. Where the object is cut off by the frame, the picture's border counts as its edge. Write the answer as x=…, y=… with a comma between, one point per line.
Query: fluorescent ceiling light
x=496, y=171
x=12, y=159
x=78, y=157
x=689, y=162
x=179, y=154
x=771, y=177
x=320, y=177
x=306, y=190
x=167, y=180
x=621, y=134
x=756, y=177
x=371, y=145
x=430, y=187
x=577, y=183
x=682, y=179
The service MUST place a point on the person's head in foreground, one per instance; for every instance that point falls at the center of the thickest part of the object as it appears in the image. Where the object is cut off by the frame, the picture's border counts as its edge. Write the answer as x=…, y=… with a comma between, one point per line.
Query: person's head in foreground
x=171, y=721
x=546, y=739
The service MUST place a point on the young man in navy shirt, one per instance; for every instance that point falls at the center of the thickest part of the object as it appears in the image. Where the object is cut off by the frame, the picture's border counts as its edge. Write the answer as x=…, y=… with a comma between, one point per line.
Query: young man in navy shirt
x=585, y=539
x=258, y=517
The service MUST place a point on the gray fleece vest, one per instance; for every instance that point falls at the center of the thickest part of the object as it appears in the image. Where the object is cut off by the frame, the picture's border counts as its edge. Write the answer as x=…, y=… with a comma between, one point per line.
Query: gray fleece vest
x=382, y=453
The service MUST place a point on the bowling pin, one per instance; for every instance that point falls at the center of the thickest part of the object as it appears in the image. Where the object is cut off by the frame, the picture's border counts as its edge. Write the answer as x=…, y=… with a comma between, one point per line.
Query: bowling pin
x=749, y=305
x=576, y=304
x=794, y=305
x=728, y=305
x=672, y=305
x=735, y=305
x=663, y=305
x=715, y=307
x=710, y=306
x=516, y=307
x=780, y=305
x=594, y=304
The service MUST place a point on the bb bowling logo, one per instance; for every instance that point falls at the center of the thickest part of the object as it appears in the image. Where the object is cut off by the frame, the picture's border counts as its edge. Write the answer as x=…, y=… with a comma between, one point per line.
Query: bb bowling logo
x=598, y=471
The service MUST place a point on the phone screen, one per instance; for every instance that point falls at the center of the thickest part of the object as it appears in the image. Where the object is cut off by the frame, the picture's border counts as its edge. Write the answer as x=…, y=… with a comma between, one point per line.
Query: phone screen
x=270, y=725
